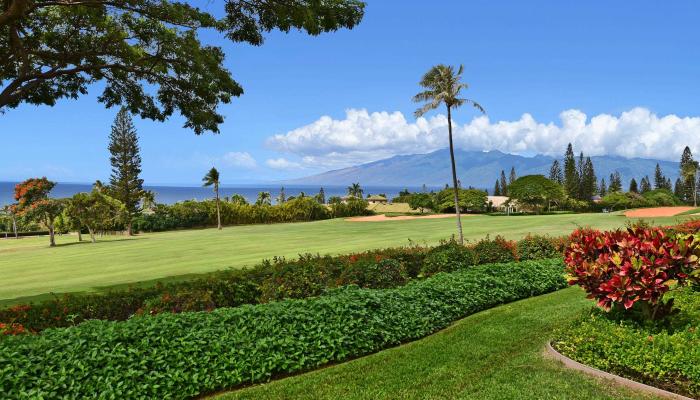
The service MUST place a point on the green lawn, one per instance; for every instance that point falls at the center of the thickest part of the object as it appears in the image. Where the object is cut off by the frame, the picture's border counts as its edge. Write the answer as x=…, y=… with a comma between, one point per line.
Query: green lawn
x=30, y=268
x=495, y=354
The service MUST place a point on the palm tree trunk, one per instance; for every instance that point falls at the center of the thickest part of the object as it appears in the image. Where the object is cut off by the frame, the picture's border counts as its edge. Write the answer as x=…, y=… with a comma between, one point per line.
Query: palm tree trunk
x=218, y=211
x=454, y=175
x=14, y=226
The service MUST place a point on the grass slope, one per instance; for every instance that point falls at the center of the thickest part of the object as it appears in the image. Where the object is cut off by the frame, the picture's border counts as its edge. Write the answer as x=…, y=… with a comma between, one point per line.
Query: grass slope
x=29, y=267
x=495, y=354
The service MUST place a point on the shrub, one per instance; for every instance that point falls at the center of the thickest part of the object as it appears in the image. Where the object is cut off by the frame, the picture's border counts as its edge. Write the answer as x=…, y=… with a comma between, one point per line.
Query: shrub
x=536, y=247
x=188, y=354
x=375, y=273
x=308, y=276
x=498, y=250
x=638, y=265
x=448, y=257
x=663, y=356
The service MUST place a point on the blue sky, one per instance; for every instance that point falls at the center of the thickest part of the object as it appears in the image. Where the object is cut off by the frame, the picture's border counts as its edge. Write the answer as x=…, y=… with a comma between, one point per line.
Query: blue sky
x=613, y=77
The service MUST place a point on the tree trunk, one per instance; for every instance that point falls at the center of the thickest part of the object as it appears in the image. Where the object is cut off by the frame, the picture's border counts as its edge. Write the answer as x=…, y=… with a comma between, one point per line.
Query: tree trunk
x=80, y=235
x=14, y=226
x=52, y=239
x=454, y=175
x=92, y=235
x=129, y=230
x=218, y=212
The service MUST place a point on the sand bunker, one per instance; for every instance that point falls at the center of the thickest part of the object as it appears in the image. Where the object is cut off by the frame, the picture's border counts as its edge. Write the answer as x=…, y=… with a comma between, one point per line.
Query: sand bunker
x=382, y=217
x=657, y=212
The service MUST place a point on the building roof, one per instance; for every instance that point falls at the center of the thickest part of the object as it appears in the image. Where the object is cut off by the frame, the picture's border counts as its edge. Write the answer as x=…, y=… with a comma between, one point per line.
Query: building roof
x=497, y=201
x=377, y=198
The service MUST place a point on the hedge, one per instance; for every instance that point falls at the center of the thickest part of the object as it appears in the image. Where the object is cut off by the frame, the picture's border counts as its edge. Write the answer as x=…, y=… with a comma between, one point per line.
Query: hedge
x=665, y=355
x=276, y=279
x=188, y=354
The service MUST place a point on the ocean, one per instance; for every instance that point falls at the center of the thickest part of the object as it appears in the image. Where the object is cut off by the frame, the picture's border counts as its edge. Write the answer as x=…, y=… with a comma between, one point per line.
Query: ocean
x=173, y=194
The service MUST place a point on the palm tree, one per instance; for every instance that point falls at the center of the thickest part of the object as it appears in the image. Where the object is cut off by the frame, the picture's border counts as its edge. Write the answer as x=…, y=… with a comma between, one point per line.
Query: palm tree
x=264, y=198
x=355, y=190
x=9, y=211
x=148, y=199
x=442, y=86
x=212, y=178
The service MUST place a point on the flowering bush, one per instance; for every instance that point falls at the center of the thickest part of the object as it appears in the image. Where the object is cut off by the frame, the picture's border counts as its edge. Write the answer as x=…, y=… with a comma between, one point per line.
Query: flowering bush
x=498, y=250
x=12, y=329
x=638, y=265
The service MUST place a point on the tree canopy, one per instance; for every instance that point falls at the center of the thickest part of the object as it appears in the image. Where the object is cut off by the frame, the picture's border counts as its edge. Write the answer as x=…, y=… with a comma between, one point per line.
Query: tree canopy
x=147, y=53
x=534, y=191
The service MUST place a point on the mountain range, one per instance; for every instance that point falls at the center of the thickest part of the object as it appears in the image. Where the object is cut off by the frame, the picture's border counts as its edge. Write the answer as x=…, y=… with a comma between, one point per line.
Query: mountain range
x=479, y=169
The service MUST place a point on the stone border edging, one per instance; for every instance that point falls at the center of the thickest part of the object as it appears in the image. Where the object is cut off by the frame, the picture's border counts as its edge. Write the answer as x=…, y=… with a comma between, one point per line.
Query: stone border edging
x=575, y=365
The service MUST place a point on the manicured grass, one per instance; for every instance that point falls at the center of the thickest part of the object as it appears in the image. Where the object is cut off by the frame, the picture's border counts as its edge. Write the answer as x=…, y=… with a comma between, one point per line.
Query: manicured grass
x=30, y=268
x=495, y=354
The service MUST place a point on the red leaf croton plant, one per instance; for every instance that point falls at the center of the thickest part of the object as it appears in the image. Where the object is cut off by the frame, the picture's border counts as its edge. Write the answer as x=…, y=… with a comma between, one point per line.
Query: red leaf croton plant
x=637, y=265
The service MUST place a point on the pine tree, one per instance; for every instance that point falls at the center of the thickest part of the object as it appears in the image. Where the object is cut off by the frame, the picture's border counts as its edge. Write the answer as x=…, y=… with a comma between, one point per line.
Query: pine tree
x=282, y=197
x=321, y=196
x=124, y=182
x=588, y=180
x=633, y=186
x=678, y=188
x=615, y=182
x=571, y=177
x=555, y=173
x=668, y=186
x=504, y=184
x=659, y=178
x=512, y=177
x=602, y=189
x=688, y=183
x=645, y=185
x=497, y=188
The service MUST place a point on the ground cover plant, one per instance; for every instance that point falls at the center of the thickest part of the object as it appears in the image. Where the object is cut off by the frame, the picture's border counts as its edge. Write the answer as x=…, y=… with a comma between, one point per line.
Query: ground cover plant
x=271, y=280
x=663, y=355
x=491, y=355
x=645, y=281
x=30, y=268
x=183, y=355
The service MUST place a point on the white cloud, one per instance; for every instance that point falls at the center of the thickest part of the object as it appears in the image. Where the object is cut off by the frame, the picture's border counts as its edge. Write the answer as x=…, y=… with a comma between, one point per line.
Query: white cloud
x=282, y=163
x=364, y=136
x=239, y=159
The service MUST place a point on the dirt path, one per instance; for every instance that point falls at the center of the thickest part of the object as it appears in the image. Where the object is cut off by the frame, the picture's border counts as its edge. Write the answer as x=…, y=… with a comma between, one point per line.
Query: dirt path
x=657, y=212
x=382, y=217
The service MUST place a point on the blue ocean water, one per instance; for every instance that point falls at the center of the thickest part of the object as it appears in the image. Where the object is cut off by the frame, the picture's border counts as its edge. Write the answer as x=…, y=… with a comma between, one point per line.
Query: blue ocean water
x=173, y=194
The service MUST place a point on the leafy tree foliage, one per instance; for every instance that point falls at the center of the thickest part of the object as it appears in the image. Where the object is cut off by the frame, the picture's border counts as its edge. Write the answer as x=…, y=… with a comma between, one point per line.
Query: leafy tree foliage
x=321, y=196
x=688, y=179
x=264, y=199
x=471, y=200
x=602, y=188
x=421, y=202
x=588, y=180
x=146, y=53
x=645, y=185
x=512, y=176
x=95, y=210
x=443, y=85
x=212, y=179
x=33, y=202
x=124, y=183
x=535, y=191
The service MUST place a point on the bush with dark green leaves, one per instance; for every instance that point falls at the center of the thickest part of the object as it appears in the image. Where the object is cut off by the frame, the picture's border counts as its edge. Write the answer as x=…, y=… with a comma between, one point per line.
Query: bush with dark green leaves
x=188, y=354
x=449, y=256
x=495, y=250
x=664, y=354
x=374, y=273
x=535, y=247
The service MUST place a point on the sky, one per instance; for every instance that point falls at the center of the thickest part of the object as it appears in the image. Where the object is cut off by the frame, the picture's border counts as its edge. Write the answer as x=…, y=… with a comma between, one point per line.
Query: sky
x=617, y=78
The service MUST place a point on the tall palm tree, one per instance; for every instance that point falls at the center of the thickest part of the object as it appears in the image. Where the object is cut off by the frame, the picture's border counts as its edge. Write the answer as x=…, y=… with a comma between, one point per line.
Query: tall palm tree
x=443, y=86
x=264, y=198
x=148, y=199
x=355, y=190
x=212, y=178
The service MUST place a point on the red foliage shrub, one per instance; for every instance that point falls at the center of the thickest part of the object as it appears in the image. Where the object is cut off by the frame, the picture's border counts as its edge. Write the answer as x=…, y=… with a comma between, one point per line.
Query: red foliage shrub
x=636, y=265
x=12, y=329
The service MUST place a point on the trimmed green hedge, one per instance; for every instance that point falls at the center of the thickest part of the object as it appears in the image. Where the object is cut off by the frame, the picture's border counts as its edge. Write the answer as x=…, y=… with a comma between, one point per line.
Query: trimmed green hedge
x=663, y=354
x=187, y=354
